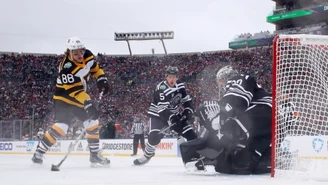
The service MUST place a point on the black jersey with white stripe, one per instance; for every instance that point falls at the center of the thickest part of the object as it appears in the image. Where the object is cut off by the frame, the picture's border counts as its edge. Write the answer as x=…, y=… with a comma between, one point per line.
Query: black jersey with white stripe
x=241, y=92
x=167, y=100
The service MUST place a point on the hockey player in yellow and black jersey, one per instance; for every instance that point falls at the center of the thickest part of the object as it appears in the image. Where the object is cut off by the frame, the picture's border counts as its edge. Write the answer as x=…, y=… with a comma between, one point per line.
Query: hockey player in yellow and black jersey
x=72, y=100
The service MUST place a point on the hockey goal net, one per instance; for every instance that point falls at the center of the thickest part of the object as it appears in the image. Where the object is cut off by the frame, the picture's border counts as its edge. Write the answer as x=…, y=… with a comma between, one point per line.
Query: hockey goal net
x=300, y=106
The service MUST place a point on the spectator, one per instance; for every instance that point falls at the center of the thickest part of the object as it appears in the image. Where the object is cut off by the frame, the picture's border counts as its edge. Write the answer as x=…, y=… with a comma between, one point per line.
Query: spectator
x=131, y=78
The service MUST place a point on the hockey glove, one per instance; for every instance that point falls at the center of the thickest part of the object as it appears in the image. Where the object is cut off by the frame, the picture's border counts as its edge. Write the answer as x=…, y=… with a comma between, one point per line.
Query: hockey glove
x=102, y=84
x=174, y=120
x=92, y=111
x=188, y=114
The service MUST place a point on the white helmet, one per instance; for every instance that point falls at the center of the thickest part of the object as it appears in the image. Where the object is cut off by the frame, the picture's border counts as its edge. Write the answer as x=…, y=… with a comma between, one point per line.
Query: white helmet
x=74, y=43
x=226, y=73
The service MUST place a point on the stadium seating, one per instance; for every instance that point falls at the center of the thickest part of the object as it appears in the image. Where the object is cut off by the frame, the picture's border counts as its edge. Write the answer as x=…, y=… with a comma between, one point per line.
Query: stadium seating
x=27, y=81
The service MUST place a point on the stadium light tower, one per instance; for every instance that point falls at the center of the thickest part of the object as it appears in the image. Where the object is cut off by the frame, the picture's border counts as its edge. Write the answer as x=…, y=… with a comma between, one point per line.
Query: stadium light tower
x=156, y=35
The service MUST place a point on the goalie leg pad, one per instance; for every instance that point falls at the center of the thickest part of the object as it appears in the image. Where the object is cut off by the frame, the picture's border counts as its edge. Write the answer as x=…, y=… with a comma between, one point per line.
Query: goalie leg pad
x=189, y=149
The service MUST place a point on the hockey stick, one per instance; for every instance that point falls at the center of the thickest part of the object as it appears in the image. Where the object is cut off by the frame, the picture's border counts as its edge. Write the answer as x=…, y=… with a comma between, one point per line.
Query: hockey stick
x=71, y=147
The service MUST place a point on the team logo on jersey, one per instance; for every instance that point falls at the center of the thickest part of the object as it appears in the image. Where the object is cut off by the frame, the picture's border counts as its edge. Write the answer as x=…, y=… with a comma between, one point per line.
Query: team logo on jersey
x=68, y=65
x=162, y=87
x=175, y=100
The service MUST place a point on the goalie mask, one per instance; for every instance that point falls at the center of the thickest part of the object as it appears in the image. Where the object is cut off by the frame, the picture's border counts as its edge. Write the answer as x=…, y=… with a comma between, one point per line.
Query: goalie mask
x=224, y=74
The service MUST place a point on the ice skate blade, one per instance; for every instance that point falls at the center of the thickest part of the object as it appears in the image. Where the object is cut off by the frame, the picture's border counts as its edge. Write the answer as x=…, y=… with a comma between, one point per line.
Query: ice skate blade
x=97, y=165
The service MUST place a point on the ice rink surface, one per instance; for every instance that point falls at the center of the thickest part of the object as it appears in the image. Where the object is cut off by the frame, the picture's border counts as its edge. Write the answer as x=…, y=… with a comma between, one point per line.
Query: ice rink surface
x=19, y=170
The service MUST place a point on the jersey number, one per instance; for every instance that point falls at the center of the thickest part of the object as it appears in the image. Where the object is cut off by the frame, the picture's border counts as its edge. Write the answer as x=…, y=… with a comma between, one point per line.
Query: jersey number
x=161, y=96
x=67, y=78
x=239, y=81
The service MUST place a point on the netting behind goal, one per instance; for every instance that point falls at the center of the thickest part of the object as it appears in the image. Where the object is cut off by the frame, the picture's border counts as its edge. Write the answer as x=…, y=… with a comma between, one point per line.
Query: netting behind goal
x=300, y=106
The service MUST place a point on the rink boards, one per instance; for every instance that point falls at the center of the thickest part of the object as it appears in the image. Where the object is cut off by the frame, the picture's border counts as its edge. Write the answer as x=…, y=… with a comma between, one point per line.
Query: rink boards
x=114, y=147
x=313, y=147
x=305, y=146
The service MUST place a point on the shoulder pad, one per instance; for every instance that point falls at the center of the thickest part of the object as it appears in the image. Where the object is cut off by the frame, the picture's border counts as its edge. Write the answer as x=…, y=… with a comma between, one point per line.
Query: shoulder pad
x=88, y=54
x=180, y=84
x=243, y=77
x=161, y=86
x=66, y=64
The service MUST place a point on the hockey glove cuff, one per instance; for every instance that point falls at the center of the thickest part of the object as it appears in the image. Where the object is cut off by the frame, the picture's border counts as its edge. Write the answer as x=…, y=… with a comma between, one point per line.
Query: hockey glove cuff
x=188, y=114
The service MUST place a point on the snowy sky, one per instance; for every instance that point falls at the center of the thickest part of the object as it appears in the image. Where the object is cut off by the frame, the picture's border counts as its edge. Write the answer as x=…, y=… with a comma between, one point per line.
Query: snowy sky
x=43, y=26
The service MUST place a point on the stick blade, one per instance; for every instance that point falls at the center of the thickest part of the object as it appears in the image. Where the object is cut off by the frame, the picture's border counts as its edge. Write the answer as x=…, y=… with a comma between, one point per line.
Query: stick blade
x=54, y=168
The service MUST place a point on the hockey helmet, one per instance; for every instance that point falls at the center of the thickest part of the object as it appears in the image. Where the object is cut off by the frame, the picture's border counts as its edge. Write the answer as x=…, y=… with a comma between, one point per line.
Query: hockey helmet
x=74, y=43
x=172, y=71
x=225, y=73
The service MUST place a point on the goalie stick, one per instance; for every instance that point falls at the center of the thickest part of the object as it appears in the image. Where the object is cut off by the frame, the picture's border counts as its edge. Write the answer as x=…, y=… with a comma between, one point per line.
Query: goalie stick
x=71, y=147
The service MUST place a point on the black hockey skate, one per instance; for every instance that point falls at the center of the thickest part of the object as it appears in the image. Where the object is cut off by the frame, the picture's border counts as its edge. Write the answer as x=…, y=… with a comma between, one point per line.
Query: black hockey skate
x=97, y=159
x=37, y=158
x=141, y=161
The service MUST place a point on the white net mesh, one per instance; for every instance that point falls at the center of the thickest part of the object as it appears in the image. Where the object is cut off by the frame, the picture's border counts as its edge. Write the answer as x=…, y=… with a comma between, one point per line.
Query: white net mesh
x=301, y=105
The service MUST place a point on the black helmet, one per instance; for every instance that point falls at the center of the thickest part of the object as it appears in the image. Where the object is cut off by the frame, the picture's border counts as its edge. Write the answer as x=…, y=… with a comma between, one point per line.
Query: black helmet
x=171, y=71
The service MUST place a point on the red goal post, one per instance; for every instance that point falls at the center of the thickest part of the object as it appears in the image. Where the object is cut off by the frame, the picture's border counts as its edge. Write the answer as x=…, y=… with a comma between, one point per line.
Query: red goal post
x=300, y=106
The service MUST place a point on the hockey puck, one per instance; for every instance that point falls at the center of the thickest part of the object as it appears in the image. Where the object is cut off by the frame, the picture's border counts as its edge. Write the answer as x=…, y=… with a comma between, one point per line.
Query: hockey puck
x=54, y=168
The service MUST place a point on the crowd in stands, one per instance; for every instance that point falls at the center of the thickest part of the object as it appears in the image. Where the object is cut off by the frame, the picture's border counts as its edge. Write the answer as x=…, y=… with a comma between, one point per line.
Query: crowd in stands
x=27, y=82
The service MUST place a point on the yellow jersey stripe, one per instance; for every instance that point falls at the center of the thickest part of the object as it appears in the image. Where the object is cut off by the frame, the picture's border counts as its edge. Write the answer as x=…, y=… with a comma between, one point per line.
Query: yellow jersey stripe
x=98, y=73
x=68, y=101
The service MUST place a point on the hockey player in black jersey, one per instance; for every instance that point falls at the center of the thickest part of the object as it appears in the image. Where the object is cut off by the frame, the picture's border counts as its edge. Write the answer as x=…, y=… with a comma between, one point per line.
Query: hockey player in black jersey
x=237, y=136
x=169, y=96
